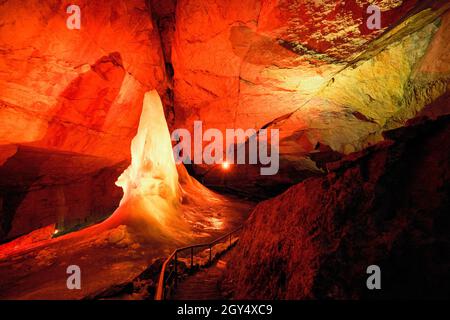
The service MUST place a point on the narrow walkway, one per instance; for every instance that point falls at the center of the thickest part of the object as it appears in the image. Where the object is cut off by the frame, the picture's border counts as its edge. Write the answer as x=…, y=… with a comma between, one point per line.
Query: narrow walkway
x=203, y=285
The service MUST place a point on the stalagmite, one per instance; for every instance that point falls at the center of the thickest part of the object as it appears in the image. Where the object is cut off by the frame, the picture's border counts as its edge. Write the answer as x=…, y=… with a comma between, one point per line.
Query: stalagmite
x=152, y=196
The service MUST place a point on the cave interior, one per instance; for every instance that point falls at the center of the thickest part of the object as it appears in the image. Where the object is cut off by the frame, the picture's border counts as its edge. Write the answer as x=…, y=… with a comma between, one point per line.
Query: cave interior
x=337, y=130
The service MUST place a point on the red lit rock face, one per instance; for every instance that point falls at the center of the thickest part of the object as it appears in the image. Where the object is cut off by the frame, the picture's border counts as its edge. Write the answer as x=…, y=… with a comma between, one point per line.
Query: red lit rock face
x=386, y=206
x=75, y=97
x=72, y=89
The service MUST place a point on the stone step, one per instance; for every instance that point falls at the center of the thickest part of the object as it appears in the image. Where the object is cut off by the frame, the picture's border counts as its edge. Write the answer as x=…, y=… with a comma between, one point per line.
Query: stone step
x=202, y=285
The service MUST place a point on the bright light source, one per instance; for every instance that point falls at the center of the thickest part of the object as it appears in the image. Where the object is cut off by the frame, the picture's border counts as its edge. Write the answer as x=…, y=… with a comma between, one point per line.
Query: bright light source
x=225, y=165
x=56, y=231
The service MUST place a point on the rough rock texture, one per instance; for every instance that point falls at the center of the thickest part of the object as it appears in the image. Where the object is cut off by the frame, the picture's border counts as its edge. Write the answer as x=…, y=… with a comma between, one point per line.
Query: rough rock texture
x=76, y=97
x=309, y=68
x=388, y=206
x=39, y=187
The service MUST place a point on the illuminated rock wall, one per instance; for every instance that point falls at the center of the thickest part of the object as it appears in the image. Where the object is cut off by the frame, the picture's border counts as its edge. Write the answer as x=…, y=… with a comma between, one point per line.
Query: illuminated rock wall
x=74, y=96
x=309, y=68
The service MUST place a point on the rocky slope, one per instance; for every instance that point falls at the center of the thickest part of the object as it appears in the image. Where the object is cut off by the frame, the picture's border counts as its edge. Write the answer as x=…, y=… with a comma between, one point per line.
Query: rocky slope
x=387, y=206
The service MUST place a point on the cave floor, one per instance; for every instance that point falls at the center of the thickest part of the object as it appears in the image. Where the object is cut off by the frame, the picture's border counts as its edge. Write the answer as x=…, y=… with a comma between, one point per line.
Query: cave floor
x=107, y=258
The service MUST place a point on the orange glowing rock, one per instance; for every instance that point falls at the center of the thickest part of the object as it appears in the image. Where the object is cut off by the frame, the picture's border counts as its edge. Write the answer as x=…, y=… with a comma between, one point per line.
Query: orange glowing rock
x=73, y=98
x=312, y=69
x=77, y=90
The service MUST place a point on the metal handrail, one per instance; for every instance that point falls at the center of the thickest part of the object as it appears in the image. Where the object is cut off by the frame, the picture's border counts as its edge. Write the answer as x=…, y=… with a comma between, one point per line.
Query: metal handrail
x=162, y=281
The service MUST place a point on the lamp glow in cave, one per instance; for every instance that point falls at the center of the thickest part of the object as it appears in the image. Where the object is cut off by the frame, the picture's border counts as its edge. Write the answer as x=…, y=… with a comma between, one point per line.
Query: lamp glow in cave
x=225, y=165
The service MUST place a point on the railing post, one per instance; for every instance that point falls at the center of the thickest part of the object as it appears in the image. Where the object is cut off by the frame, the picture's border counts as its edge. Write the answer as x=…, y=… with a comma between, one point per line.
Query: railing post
x=176, y=274
x=164, y=286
